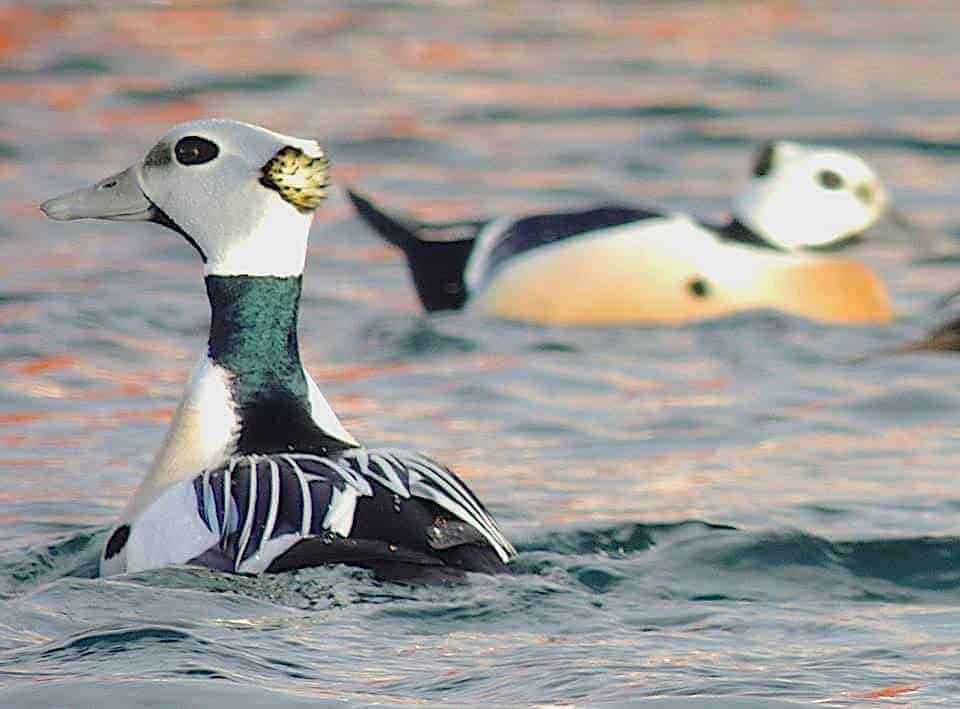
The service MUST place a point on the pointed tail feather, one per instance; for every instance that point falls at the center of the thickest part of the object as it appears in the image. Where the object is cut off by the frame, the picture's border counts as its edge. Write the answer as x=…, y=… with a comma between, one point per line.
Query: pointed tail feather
x=436, y=253
x=399, y=231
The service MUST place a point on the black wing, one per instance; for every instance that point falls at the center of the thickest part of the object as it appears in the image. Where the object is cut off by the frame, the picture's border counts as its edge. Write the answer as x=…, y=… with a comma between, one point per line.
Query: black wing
x=390, y=510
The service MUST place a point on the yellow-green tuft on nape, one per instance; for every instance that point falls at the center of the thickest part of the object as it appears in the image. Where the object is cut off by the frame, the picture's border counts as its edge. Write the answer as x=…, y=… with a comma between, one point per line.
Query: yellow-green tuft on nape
x=300, y=179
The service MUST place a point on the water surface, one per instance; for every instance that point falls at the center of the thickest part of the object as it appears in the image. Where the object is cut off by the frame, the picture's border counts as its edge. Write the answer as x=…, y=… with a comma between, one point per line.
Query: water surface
x=729, y=509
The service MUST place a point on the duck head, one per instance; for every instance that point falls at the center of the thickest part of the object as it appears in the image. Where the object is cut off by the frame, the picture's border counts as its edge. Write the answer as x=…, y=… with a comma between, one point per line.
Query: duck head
x=802, y=196
x=242, y=195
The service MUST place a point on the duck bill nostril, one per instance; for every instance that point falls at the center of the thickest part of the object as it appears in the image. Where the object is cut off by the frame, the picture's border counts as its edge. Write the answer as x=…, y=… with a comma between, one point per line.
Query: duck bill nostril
x=119, y=197
x=865, y=193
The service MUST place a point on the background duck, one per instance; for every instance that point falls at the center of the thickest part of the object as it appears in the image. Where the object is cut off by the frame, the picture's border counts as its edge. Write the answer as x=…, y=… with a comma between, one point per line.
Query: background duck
x=256, y=472
x=615, y=264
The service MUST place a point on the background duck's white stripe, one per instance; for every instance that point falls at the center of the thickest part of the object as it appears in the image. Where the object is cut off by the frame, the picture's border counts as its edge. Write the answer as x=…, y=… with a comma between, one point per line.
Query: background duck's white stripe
x=488, y=237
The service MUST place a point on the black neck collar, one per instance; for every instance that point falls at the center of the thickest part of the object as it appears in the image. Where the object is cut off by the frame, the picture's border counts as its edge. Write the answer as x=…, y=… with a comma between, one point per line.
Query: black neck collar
x=737, y=231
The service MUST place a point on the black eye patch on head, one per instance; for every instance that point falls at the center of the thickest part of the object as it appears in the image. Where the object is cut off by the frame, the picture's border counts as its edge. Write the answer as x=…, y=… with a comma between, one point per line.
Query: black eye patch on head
x=194, y=150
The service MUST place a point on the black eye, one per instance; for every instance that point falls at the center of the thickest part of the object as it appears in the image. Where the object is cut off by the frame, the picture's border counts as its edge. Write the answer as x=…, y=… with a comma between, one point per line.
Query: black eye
x=699, y=287
x=763, y=163
x=830, y=179
x=195, y=151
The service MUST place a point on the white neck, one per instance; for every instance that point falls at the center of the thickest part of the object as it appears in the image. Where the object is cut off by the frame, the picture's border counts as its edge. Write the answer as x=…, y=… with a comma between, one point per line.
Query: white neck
x=794, y=228
x=276, y=245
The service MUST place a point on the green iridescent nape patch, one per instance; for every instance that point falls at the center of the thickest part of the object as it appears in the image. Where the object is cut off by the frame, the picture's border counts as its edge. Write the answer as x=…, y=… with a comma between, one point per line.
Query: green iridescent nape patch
x=300, y=179
x=159, y=155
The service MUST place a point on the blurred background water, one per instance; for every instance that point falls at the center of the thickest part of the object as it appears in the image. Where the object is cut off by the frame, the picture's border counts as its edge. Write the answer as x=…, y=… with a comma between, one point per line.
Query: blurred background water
x=727, y=509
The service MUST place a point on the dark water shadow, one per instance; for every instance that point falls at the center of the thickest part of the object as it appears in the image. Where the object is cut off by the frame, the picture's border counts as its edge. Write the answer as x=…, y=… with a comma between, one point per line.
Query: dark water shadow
x=496, y=114
x=267, y=82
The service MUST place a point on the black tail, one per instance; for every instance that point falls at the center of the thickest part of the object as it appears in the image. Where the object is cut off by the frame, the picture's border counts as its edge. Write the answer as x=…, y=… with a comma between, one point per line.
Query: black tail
x=437, y=253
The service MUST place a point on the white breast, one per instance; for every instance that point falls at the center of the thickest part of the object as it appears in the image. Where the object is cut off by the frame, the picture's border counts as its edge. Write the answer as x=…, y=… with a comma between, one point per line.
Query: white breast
x=202, y=435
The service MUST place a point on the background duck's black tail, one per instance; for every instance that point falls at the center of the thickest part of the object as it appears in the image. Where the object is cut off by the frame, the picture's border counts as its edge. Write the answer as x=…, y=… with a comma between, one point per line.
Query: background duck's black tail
x=437, y=253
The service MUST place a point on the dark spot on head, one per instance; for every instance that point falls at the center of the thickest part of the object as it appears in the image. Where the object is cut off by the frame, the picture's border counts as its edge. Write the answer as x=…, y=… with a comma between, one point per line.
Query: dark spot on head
x=829, y=179
x=699, y=288
x=117, y=541
x=158, y=156
x=763, y=162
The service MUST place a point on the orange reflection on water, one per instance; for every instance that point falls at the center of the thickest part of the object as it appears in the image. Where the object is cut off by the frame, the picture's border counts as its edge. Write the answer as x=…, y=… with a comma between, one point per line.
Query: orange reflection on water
x=21, y=26
x=890, y=692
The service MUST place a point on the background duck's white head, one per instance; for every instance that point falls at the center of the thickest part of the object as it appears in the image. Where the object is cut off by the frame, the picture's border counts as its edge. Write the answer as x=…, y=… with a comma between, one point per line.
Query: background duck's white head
x=242, y=195
x=809, y=196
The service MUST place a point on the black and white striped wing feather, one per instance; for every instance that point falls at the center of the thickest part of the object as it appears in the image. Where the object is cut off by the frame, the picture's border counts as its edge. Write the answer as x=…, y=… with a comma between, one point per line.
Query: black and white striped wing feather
x=259, y=506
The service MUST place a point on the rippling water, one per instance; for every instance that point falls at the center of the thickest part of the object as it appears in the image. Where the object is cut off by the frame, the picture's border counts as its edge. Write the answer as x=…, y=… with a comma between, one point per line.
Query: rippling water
x=731, y=509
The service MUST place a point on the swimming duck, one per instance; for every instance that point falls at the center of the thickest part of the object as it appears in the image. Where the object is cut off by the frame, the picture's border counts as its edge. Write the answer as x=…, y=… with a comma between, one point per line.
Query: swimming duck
x=619, y=264
x=256, y=472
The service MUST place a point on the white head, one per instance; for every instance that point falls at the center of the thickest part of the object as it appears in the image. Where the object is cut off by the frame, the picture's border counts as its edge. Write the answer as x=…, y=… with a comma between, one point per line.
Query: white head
x=809, y=196
x=242, y=195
